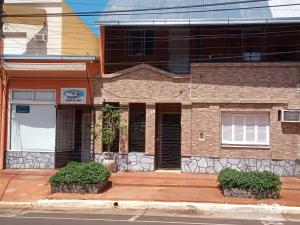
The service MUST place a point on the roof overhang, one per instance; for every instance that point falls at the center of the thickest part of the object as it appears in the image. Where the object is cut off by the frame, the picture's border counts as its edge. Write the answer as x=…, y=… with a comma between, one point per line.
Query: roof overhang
x=46, y=70
x=199, y=22
x=45, y=66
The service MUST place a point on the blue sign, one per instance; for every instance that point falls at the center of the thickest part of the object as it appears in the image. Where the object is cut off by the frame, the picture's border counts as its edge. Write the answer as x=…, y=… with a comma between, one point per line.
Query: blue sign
x=73, y=96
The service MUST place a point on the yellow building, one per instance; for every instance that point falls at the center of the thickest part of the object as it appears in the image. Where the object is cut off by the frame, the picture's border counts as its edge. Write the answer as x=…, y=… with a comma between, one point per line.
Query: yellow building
x=46, y=35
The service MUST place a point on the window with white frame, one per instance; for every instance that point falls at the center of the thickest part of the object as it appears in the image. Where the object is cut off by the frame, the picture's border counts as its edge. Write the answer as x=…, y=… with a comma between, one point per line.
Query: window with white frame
x=245, y=129
x=33, y=95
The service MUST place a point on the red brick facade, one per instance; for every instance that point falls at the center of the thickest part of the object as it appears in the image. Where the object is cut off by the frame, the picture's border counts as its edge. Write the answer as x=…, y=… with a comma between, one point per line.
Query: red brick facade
x=209, y=90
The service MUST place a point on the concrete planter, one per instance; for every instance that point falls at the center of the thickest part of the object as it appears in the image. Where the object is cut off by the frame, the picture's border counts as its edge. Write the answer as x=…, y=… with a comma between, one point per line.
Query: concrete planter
x=242, y=193
x=77, y=188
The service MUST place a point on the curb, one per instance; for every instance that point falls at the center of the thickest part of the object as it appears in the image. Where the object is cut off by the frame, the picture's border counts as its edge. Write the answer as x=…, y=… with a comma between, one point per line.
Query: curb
x=178, y=206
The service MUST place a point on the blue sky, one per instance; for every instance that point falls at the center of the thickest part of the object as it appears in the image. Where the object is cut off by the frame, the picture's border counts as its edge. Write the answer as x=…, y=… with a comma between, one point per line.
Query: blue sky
x=88, y=5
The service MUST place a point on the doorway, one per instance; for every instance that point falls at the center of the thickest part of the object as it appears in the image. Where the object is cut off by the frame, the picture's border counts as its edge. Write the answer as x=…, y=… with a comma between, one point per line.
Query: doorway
x=73, y=136
x=168, y=136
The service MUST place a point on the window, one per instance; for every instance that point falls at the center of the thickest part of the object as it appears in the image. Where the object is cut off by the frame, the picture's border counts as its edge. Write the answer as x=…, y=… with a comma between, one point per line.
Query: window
x=140, y=42
x=44, y=96
x=253, y=45
x=252, y=56
x=33, y=95
x=22, y=95
x=245, y=129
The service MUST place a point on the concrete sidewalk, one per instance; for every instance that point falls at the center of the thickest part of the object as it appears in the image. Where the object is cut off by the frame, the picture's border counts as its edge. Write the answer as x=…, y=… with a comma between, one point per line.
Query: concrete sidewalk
x=32, y=185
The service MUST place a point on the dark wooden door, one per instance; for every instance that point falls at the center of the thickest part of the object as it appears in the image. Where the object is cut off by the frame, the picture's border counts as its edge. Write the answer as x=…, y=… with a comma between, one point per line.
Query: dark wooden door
x=169, y=153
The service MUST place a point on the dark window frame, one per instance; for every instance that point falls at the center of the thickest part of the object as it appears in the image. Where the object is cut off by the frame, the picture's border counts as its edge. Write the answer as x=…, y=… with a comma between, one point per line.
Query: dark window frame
x=144, y=49
x=253, y=52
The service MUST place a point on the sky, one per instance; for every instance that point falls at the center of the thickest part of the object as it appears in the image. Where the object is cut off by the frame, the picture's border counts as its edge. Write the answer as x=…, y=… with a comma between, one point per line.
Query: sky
x=88, y=5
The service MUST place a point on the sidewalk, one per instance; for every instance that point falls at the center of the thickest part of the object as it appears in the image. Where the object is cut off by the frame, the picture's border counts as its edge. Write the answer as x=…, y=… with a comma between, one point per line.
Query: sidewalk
x=32, y=185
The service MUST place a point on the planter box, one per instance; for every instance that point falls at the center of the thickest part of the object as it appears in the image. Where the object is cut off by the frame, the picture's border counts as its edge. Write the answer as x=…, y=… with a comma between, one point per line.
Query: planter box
x=236, y=192
x=242, y=193
x=76, y=188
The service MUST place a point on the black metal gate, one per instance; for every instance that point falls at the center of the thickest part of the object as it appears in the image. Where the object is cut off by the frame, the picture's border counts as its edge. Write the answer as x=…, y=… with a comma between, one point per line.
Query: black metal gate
x=73, y=135
x=168, y=155
x=137, y=127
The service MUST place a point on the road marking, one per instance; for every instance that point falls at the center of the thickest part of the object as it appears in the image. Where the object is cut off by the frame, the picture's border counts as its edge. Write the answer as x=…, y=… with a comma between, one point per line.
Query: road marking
x=116, y=220
x=134, y=218
x=7, y=215
x=271, y=223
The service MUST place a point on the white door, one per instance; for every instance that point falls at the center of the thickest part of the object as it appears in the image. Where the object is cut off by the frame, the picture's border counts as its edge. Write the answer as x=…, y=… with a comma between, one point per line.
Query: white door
x=32, y=127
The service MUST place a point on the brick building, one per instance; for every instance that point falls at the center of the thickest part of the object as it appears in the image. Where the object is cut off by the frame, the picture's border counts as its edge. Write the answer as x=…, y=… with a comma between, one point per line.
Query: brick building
x=203, y=88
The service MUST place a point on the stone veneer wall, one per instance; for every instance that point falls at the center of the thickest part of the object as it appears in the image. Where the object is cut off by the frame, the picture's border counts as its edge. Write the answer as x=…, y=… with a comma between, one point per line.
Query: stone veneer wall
x=29, y=160
x=215, y=165
x=297, y=172
x=132, y=162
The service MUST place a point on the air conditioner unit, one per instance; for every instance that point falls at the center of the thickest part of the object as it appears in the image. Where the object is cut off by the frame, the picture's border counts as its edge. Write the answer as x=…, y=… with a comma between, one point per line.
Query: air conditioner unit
x=290, y=115
x=40, y=37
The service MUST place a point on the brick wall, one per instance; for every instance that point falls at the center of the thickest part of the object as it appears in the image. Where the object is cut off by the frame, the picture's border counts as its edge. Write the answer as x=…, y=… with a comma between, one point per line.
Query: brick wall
x=208, y=91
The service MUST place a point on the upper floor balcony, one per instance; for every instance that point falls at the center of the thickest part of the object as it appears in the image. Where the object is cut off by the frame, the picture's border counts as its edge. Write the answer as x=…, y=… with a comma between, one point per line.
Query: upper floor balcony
x=174, y=48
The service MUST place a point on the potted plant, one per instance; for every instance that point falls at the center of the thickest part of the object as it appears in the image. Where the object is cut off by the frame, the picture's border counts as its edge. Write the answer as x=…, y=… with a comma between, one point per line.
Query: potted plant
x=111, y=126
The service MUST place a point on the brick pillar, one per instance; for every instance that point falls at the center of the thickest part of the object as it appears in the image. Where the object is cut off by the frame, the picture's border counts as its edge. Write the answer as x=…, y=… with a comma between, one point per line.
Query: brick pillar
x=98, y=129
x=123, y=146
x=186, y=130
x=150, y=129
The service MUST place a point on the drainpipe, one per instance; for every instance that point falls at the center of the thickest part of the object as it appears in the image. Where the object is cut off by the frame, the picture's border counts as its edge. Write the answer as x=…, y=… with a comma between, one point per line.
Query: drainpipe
x=1, y=122
x=3, y=115
x=2, y=94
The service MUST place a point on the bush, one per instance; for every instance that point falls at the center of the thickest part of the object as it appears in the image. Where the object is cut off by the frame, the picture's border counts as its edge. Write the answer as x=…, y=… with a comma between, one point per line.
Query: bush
x=81, y=173
x=260, y=184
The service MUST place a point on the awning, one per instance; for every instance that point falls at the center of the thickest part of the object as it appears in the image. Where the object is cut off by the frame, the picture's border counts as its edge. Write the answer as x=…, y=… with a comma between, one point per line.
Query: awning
x=45, y=70
x=45, y=66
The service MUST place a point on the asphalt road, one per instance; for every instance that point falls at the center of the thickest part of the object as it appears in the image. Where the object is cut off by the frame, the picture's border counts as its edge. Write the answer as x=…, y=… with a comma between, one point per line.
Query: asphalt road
x=66, y=218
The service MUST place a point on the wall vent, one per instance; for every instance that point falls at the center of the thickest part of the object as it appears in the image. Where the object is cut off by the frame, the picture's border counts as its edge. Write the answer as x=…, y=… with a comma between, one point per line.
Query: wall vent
x=40, y=37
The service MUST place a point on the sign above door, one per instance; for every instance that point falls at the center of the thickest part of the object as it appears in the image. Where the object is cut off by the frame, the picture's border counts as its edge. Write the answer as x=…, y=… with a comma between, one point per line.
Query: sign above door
x=73, y=96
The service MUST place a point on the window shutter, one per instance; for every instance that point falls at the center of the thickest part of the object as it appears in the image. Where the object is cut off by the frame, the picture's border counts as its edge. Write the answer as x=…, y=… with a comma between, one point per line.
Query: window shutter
x=250, y=128
x=262, y=122
x=238, y=128
x=227, y=128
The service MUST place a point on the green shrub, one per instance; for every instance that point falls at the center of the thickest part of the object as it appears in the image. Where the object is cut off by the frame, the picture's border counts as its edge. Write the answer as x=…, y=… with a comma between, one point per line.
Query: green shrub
x=81, y=173
x=260, y=184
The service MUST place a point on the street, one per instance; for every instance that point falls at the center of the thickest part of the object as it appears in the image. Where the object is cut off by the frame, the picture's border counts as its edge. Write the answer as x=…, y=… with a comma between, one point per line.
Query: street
x=29, y=217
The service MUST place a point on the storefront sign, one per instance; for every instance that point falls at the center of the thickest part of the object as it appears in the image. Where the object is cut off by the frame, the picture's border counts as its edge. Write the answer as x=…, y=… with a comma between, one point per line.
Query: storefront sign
x=73, y=96
x=22, y=109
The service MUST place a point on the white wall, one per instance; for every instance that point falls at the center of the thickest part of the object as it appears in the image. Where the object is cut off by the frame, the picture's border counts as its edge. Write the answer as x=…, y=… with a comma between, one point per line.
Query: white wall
x=53, y=29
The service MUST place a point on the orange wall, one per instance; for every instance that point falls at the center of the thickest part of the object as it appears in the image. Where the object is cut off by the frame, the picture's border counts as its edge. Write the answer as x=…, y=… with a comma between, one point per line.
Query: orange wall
x=56, y=80
x=54, y=85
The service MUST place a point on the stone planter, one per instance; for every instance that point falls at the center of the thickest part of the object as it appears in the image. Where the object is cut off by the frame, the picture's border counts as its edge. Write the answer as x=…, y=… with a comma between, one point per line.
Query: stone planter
x=76, y=188
x=242, y=193
x=236, y=192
